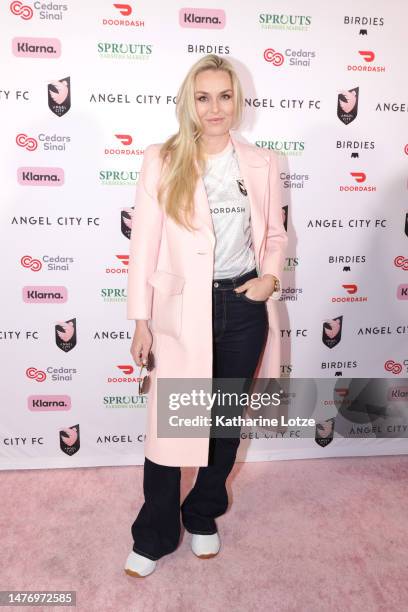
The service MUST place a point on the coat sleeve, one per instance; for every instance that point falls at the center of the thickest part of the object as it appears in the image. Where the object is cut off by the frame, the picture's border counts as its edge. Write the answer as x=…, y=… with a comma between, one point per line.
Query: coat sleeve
x=145, y=237
x=276, y=236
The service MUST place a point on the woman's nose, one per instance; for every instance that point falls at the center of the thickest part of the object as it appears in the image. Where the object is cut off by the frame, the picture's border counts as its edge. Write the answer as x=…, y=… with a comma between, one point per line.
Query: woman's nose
x=214, y=106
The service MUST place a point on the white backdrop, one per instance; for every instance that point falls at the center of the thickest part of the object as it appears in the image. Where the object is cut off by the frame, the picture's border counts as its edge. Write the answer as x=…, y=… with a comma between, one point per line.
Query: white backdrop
x=85, y=87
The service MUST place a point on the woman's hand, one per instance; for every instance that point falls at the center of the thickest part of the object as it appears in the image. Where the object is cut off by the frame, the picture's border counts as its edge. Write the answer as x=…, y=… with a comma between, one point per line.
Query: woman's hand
x=141, y=343
x=258, y=288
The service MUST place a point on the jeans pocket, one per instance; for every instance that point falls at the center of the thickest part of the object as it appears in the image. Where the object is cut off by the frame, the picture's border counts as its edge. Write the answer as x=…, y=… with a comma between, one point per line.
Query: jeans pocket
x=247, y=299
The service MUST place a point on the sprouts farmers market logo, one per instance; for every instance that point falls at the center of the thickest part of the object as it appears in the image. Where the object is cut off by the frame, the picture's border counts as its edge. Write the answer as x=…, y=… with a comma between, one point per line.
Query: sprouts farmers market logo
x=275, y=21
x=124, y=51
x=288, y=148
x=118, y=177
x=47, y=11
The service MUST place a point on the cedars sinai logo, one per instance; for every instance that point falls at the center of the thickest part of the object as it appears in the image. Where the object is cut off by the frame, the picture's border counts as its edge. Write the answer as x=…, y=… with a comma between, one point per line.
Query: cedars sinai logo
x=47, y=11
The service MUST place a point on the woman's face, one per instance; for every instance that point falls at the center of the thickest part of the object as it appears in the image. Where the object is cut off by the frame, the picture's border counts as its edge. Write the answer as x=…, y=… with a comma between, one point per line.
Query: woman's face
x=214, y=101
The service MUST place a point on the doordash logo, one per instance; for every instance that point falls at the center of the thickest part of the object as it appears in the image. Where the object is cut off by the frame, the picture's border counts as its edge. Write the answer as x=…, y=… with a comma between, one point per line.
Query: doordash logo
x=213, y=19
x=367, y=64
x=359, y=177
x=125, y=10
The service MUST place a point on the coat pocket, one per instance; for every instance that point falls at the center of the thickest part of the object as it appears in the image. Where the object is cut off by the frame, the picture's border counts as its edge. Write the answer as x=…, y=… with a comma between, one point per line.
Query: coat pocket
x=167, y=306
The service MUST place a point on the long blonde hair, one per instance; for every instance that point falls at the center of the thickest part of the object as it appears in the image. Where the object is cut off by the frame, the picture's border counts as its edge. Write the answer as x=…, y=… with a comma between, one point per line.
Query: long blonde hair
x=180, y=151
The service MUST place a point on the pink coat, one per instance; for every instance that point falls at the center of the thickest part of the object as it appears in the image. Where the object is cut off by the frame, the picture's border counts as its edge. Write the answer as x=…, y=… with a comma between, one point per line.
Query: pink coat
x=170, y=282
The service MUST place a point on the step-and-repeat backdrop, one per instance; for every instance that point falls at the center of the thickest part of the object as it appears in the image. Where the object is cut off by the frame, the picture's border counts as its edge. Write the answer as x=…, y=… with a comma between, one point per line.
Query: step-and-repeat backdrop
x=85, y=87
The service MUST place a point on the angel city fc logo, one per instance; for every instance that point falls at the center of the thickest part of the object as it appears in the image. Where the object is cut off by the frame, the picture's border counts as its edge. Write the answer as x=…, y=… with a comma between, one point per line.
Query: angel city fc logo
x=324, y=432
x=332, y=331
x=347, y=105
x=59, y=96
x=126, y=221
x=241, y=186
x=69, y=439
x=65, y=335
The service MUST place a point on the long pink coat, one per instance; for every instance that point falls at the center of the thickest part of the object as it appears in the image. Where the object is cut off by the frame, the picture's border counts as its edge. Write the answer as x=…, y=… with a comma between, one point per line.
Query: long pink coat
x=170, y=282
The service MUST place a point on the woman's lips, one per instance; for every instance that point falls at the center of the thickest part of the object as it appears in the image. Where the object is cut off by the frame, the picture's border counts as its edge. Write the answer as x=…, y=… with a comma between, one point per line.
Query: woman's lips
x=215, y=120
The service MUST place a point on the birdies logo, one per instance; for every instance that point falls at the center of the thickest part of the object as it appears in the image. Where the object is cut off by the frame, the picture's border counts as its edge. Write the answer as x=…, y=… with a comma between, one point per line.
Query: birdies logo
x=66, y=335
x=59, y=96
x=347, y=105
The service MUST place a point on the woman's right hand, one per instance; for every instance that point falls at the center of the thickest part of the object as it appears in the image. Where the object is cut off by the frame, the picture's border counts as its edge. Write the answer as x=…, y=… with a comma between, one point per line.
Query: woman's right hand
x=141, y=343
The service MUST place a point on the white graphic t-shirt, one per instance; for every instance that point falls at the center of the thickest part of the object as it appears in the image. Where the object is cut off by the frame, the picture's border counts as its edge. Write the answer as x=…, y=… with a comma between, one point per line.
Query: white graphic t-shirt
x=230, y=212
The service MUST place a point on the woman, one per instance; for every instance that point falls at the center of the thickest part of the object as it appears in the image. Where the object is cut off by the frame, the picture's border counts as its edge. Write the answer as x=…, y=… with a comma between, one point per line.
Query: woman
x=207, y=250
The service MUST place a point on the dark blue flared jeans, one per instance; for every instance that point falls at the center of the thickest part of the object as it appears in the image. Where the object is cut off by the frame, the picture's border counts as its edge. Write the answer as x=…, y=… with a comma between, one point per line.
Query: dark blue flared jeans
x=240, y=328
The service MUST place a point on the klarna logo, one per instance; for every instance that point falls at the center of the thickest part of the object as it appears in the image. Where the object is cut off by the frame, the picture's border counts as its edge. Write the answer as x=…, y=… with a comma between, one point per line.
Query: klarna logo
x=49, y=295
x=48, y=403
x=36, y=47
x=47, y=177
x=202, y=18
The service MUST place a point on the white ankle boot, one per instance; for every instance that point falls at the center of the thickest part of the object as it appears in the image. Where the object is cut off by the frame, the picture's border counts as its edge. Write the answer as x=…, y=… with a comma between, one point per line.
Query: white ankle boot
x=137, y=565
x=205, y=546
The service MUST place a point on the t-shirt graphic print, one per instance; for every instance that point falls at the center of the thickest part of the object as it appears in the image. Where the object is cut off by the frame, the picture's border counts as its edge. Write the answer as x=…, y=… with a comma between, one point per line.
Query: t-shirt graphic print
x=230, y=213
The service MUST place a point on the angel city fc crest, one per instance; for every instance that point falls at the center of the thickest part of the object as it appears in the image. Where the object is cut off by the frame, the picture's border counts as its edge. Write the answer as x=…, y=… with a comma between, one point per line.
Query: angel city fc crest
x=347, y=105
x=65, y=335
x=59, y=96
x=324, y=432
x=241, y=186
x=332, y=331
x=69, y=439
x=126, y=221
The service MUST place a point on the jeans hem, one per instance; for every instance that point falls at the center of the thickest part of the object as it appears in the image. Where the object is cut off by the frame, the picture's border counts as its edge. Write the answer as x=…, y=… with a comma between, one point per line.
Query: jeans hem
x=144, y=554
x=201, y=532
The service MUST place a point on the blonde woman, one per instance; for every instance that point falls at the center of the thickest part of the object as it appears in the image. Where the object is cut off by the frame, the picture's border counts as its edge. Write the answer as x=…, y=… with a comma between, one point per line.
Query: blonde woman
x=207, y=250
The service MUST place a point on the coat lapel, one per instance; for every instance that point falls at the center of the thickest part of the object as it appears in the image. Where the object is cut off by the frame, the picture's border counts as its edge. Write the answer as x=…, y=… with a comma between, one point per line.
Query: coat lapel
x=254, y=168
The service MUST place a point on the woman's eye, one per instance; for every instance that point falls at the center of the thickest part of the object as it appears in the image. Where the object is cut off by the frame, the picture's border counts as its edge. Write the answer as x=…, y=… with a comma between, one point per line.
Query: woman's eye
x=228, y=96
x=202, y=98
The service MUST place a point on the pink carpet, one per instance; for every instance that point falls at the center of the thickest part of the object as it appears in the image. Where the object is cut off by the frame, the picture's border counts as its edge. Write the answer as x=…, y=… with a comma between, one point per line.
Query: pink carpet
x=300, y=536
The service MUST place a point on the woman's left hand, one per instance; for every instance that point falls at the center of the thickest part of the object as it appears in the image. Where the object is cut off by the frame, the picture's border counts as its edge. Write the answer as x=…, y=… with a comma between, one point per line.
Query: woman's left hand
x=258, y=288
